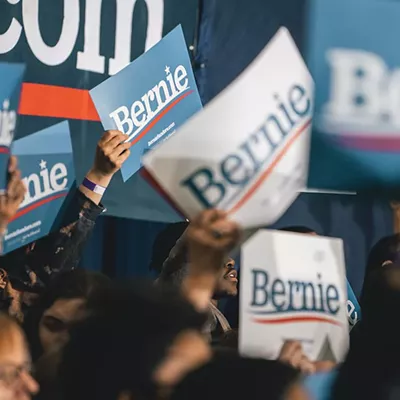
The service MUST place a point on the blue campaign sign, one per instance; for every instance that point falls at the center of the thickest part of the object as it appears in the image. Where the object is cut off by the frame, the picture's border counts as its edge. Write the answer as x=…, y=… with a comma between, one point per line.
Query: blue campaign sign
x=46, y=163
x=354, y=59
x=11, y=76
x=353, y=307
x=150, y=98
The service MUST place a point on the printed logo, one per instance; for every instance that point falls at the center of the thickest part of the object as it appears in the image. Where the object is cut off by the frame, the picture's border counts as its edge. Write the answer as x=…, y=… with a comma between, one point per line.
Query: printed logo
x=279, y=301
x=364, y=99
x=240, y=173
x=44, y=187
x=142, y=114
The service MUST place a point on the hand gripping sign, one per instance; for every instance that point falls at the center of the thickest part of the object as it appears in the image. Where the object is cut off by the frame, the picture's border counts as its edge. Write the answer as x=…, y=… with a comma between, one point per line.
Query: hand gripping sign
x=150, y=98
x=46, y=163
x=247, y=152
x=293, y=287
x=11, y=76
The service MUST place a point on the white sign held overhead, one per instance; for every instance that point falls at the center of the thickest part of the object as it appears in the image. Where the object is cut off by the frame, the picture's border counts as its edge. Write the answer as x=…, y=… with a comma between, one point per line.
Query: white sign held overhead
x=247, y=151
x=293, y=287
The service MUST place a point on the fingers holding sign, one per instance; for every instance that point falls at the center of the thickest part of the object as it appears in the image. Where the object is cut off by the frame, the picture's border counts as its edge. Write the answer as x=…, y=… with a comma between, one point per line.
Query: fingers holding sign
x=111, y=152
x=210, y=237
x=213, y=231
x=292, y=354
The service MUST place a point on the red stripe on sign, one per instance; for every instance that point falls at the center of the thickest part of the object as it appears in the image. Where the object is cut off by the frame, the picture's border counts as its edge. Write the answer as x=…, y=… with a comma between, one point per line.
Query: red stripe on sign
x=37, y=205
x=269, y=170
x=57, y=102
x=159, y=116
x=289, y=320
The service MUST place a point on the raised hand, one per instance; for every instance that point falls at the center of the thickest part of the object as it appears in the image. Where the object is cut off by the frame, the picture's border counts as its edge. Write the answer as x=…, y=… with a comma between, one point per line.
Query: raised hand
x=292, y=354
x=111, y=153
x=210, y=237
x=13, y=196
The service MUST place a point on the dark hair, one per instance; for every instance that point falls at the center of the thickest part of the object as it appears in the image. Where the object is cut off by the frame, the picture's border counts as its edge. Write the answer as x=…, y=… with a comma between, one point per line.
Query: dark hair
x=117, y=349
x=371, y=369
x=298, y=229
x=175, y=267
x=233, y=377
x=164, y=243
x=386, y=249
x=79, y=283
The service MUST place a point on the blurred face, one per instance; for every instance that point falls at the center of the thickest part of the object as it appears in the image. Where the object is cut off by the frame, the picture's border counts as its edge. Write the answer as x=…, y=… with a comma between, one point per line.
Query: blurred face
x=227, y=283
x=188, y=352
x=16, y=382
x=57, y=320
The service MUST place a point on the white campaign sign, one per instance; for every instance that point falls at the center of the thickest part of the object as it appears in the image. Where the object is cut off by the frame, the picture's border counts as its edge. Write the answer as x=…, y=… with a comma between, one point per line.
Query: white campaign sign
x=293, y=287
x=247, y=151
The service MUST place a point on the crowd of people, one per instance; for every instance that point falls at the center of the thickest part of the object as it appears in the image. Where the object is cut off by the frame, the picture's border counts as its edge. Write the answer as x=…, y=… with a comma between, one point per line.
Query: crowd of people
x=70, y=334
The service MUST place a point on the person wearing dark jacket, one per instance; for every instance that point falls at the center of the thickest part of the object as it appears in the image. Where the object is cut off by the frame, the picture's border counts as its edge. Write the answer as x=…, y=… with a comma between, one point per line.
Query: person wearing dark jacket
x=31, y=268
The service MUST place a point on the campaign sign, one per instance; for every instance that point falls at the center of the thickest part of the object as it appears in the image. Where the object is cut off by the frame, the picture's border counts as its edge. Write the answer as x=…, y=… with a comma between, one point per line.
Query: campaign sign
x=150, y=98
x=10, y=89
x=46, y=163
x=247, y=151
x=353, y=307
x=353, y=56
x=293, y=287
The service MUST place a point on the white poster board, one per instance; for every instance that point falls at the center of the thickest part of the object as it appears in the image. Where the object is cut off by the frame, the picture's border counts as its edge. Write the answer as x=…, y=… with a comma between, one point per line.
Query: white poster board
x=247, y=151
x=293, y=287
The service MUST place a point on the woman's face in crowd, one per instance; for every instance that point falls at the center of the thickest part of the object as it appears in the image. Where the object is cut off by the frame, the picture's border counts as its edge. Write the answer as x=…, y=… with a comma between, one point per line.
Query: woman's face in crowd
x=188, y=351
x=57, y=320
x=16, y=382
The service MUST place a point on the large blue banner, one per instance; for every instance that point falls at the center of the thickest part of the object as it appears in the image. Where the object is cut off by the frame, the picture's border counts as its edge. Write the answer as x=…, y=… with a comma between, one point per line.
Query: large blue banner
x=354, y=59
x=46, y=163
x=11, y=76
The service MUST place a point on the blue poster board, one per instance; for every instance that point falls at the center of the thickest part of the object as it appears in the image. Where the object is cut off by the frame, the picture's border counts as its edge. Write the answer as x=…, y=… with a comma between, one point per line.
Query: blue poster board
x=46, y=163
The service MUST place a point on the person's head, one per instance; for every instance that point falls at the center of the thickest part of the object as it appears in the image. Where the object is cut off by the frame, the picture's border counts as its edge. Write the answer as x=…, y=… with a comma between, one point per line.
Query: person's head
x=163, y=244
x=70, y=297
x=146, y=338
x=16, y=382
x=228, y=281
x=233, y=377
x=175, y=268
x=386, y=252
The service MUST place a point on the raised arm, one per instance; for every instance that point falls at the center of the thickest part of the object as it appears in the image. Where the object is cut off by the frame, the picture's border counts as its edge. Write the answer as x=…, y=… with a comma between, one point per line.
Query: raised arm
x=210, y=237
x=62, y=250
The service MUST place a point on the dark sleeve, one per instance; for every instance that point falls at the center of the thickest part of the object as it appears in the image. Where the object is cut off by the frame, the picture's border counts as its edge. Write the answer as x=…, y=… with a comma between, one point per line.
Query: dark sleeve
x=60, y=250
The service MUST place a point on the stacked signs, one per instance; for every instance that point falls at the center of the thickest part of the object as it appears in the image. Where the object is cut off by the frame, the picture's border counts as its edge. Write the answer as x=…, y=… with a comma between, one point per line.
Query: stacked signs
x=247, y=152
x=148, y=101
x=10, y=89
x=293, y=295
x=46, y=163
x=355, y=64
